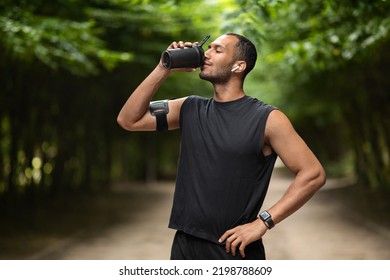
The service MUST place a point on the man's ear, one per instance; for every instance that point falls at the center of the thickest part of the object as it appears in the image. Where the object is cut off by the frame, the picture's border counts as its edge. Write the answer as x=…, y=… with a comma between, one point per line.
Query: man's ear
x=239, y=66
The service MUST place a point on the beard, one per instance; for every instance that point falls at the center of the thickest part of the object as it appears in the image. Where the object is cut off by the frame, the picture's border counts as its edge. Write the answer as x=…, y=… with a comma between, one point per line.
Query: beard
x=221, y=77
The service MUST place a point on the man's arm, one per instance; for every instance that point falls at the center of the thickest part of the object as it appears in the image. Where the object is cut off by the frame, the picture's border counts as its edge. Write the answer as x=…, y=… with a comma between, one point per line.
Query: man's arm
x=309, y=177
x=135, y=116
x=299, y=159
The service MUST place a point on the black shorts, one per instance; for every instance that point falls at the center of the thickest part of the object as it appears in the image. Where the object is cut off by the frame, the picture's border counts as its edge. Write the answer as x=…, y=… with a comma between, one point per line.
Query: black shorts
x=188, y=247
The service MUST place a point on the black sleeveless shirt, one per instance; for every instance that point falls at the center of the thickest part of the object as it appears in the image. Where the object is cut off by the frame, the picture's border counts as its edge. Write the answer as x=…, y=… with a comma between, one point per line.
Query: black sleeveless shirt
x=223, y=175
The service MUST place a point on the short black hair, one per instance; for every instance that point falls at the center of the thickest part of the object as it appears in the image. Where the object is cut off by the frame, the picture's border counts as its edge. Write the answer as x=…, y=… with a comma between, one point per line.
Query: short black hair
x=246, y=51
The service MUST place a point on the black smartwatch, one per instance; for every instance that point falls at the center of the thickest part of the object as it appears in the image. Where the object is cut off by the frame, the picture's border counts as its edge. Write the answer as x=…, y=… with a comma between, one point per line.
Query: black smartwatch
x=267, y=219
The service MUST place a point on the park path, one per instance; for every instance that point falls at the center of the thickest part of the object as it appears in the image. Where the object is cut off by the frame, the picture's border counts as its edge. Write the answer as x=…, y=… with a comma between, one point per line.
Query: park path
x=324, y=229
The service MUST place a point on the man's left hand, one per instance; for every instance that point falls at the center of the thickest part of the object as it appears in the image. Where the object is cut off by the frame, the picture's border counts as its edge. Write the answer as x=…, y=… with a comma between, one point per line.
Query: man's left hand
x=240, y=236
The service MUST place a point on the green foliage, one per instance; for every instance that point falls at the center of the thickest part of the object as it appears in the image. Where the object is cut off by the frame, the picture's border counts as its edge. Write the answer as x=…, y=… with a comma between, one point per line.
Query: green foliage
x=321, y=35
x=28, y=34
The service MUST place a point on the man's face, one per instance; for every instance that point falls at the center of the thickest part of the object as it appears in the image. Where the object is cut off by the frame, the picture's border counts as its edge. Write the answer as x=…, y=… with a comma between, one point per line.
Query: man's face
x=219, y=59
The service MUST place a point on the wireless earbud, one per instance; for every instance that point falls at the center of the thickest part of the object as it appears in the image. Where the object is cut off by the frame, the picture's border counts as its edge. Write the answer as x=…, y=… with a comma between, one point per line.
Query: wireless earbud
x=235, y=68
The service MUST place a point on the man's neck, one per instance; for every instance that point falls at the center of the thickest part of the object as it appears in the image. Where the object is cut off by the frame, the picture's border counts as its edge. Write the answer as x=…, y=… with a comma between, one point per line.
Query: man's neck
x=228, y=92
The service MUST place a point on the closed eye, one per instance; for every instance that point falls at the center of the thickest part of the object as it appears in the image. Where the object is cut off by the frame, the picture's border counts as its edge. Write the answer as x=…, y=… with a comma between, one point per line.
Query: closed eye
x=217, y=48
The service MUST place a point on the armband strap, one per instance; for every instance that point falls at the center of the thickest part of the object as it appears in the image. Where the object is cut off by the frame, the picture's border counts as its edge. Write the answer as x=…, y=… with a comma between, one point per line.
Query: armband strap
x=160, y=109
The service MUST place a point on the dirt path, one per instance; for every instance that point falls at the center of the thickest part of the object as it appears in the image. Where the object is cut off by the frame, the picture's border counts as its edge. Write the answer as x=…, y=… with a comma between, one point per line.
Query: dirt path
x=323, y=229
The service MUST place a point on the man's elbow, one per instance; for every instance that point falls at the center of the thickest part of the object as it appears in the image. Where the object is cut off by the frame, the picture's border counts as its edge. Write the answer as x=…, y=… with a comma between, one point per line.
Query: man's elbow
x=123, y=123
x=319, y=178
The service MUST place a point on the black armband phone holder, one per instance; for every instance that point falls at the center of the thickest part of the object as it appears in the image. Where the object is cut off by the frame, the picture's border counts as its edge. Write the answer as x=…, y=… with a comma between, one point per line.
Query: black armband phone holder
x=160, y=109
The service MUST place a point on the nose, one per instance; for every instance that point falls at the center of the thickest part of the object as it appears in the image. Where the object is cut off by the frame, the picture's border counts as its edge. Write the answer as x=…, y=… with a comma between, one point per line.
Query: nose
x=207, y=54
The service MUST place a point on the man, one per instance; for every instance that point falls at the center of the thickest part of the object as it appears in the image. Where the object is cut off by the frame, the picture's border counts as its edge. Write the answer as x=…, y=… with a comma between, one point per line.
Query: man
x=229, y=144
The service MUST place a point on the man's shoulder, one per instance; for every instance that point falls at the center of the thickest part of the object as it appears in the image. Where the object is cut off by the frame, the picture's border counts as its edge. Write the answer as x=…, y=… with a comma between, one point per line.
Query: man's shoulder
x=196, y=99
x=261, y=105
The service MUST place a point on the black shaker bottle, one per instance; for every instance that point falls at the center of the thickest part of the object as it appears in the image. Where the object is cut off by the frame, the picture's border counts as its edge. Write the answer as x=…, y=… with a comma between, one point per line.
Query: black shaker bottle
x=192, y=57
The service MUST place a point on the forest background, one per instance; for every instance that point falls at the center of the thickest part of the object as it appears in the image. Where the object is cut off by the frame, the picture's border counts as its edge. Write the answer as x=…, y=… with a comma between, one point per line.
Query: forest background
x=68, y=66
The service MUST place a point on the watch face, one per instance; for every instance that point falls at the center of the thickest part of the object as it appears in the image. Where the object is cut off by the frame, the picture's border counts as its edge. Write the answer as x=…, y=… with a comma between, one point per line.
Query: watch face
x=265, y=215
